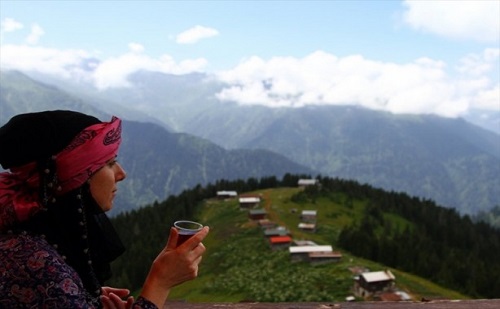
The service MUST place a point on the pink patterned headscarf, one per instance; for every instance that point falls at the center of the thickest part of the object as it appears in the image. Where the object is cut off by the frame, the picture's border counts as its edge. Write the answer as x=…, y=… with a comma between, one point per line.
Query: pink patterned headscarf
x=86, y=154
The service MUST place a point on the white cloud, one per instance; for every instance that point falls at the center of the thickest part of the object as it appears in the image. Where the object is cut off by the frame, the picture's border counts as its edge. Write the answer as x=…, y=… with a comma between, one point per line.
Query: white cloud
x=195, y=34
x=462, y=19
x=112, y=72
x=422, y=86
x=10, y=25
x=479, y=64
x=41, y=59
x=34, y=36
x=488, y=99
x=135, y=47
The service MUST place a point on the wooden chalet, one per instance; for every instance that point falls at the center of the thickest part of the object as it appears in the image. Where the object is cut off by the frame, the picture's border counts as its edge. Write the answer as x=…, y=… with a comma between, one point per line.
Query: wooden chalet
x=324, y=257
x=307, y=182
x=279, y=231
x=224, y=195
x=308, y=216
x=301, y=253
x=247, y=202
x=280, y=242
x=307, y=227
x=371, y=283
x=300, y=242
x=267, y=224
x=257, y=214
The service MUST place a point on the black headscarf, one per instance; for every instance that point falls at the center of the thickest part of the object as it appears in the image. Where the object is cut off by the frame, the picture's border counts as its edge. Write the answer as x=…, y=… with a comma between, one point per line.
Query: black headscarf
x=37, y=136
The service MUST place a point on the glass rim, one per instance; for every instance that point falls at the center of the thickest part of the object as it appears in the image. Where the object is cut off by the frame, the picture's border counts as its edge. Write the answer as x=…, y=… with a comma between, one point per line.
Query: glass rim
x=197, y=226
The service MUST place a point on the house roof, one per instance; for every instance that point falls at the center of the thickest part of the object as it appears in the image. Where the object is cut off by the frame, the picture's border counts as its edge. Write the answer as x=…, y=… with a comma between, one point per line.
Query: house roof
x=305, y=243
x=304, y=182
x=277, y=231
x=307, y=249
x=249, y=200
x=309, y=212
x=325, y=254
x=280, y=239
x=307, y=225
x=377, y=276
x=257, y=211
x=227, y=193
x=266, y=222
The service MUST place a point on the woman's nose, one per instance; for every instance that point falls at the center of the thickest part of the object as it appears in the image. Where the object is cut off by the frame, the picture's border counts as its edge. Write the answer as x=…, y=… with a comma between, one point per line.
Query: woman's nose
x=120, y=173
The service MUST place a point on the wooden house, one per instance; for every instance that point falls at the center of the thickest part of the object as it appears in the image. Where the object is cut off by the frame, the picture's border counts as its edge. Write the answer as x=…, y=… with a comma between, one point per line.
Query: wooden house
x=308, y=216
x=280, y=242
x=300, y=242
x=371, y=283
x=279, y=231
x=267, y=224
x=301, y=253
x=307, y=182
x=247, y=202
x=257, y=214
x=223, y=195
x=324, y=257
x=307, y=227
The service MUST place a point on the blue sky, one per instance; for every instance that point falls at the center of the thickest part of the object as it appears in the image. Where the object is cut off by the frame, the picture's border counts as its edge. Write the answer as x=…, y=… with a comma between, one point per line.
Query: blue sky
x=430, y=56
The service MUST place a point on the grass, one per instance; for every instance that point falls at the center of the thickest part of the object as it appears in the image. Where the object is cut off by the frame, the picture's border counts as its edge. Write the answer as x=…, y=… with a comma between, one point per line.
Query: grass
x=239, y=264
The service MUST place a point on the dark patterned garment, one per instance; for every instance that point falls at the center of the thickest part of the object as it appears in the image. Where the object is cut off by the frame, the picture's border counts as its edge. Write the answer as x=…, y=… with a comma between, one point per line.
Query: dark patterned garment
x=34, y=275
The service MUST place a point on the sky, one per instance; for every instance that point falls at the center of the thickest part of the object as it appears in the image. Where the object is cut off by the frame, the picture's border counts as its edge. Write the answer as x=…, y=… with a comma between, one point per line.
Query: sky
x=425, y=56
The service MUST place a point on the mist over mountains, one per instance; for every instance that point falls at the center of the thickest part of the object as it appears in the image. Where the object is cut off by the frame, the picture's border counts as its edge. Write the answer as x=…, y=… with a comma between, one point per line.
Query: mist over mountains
x=448, y=160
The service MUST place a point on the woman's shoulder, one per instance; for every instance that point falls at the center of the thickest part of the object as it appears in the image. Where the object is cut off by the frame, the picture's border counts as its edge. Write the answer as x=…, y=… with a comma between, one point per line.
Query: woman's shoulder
x=32, y=271
x=28, y=258
x=23, y=245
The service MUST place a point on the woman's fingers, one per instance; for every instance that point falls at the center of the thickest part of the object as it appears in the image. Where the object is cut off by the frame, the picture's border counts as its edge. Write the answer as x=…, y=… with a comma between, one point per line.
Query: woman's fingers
x=112, y=298
x=113, y=301
x=120, y=292
x=196, y=239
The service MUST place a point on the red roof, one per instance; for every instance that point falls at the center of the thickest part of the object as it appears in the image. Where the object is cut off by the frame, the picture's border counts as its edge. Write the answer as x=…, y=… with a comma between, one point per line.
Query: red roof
x=280, y=239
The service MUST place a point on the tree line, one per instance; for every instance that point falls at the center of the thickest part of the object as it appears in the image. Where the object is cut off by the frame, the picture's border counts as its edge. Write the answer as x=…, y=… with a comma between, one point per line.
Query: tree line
x=439, y=245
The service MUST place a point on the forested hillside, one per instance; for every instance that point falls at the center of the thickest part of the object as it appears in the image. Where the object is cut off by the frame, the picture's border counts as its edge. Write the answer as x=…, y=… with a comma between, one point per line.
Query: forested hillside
x=404, y=233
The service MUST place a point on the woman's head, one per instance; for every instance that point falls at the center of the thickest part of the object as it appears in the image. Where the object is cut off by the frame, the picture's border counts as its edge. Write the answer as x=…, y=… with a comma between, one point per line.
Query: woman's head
x=63, y=175
x=51, y=153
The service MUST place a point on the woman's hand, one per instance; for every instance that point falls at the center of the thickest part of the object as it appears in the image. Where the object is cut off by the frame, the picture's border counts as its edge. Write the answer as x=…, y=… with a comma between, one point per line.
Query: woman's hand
x=173, y=266
x=112, y=298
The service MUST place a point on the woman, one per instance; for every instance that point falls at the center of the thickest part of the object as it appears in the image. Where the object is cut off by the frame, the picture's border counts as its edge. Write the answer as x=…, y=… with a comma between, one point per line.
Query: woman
x=56, y=242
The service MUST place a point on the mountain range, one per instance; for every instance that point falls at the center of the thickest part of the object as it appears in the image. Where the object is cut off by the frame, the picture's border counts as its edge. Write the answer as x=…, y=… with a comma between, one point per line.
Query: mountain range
x=179, y=135
x=158, y=162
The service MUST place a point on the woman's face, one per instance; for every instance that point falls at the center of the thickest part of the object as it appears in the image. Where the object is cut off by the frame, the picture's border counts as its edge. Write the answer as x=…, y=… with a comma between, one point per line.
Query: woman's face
x=103, y=183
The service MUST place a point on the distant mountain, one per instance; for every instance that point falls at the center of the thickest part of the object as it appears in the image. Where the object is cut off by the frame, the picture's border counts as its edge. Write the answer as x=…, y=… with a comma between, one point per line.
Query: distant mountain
x=159, y=163
x=21, y=94
x=450, y=161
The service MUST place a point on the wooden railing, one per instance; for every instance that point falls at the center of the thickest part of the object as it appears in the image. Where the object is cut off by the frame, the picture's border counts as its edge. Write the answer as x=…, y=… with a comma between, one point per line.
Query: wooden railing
x=437, y=304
